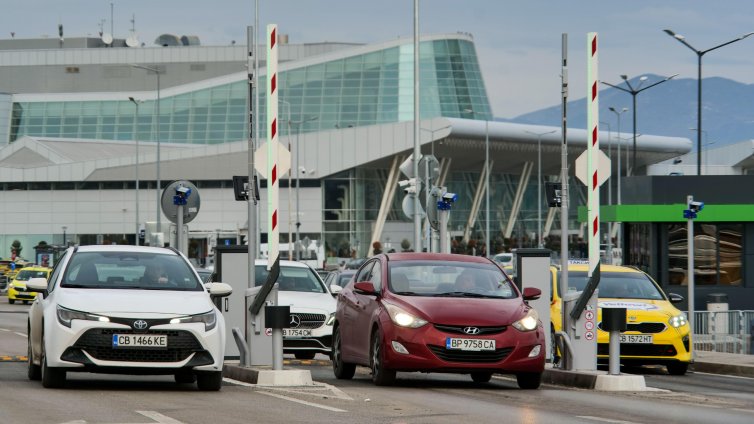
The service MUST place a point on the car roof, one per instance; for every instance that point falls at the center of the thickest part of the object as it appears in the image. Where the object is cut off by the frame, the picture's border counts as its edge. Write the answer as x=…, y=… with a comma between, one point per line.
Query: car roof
x=293, y=264
x=125, y=248
x=419, y=256
x=603, y=268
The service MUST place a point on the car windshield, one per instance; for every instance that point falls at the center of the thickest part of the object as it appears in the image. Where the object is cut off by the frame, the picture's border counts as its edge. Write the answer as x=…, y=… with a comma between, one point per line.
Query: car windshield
x=344, y=278
x=449, y=279
x=298, y=279
x=619, y=285
x=129, y=270
x=26, y=274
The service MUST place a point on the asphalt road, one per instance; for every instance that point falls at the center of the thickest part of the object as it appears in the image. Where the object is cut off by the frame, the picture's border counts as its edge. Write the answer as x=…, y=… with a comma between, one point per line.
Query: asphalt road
x=416, y=398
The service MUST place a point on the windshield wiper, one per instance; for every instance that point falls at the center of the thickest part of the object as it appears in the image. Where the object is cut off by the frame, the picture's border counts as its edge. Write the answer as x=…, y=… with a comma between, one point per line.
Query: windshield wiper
x=464, y=294
x=406, y=293
x=76, y=286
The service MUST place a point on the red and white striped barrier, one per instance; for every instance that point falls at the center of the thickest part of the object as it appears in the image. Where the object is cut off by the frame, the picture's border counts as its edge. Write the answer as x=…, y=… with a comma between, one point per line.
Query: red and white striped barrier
x=593, y=151
x=273, y=178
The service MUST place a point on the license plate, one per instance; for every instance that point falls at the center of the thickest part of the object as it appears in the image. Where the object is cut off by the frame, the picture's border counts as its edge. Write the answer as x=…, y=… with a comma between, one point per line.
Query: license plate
x=636, y=338
x=296, y=332
x=469, y=344
x=140, y=340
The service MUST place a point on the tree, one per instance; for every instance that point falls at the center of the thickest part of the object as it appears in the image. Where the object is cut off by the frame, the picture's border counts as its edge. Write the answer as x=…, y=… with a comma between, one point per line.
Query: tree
x=16, y=248
x=405, y=245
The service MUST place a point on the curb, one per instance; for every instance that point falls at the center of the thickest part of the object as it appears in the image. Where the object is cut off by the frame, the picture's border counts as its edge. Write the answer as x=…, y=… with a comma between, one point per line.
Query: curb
x=726, y=369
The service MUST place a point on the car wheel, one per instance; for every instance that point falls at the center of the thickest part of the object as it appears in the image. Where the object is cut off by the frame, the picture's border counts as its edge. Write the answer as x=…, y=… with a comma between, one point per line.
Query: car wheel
x=380, y=375
x=304, y=355
x=209, y=380
x=529, y=380
x=342, y=370
x=677, y=368
x=52, y=377
x=185, y=378
x=34, y=371
x=481, y=377
x=554, y=352
x=11, y=301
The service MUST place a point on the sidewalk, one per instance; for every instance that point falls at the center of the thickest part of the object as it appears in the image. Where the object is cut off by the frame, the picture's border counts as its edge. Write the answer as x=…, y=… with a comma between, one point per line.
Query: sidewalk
x=724, y=363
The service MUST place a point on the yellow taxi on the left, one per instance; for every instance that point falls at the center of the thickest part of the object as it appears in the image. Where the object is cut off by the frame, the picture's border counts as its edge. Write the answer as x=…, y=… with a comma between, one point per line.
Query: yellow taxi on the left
x=17, y=287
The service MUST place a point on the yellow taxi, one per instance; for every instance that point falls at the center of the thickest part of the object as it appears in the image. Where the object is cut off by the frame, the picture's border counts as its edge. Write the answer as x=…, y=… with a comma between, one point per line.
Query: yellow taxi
x=17, y=287
x=657, y=332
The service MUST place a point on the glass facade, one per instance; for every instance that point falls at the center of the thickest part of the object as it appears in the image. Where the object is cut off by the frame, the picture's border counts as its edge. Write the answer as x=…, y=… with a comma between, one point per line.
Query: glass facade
x=367, y=89
x=718, y=254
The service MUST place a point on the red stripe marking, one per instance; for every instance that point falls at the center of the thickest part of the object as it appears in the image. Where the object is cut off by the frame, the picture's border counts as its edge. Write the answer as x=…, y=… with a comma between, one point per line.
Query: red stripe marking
x=594, y=181
x=594, y=91
x=273, y=83
x=595, y=225
x=594, y=136
x=274, y=176
x=274, y=129
x=273, y=38
x=274, y=219
x=594, y=45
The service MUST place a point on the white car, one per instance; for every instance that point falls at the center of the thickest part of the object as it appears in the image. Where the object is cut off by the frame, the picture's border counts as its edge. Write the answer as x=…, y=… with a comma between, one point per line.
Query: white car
x=312, y=307
x=126, y=309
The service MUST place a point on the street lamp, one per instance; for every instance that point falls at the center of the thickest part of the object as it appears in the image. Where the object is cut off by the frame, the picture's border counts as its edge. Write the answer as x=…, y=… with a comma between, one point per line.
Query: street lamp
x=699, y=53
x=706, y=143
x=633, y=92
x=539, y=183
x=619, y=239
x=157, y=72
x=298, y=168
x=427, y=188
x=136, y=139
x=486, y=181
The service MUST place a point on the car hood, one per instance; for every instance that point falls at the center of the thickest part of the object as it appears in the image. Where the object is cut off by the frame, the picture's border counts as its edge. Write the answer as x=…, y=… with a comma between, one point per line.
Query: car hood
x=125, y=302
x=464, y=311
x=641, y=308
x=303, y=301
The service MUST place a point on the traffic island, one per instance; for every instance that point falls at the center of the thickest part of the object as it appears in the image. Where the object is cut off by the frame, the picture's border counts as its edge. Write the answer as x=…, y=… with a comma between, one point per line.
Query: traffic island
x=268, y=377
x=594, y=380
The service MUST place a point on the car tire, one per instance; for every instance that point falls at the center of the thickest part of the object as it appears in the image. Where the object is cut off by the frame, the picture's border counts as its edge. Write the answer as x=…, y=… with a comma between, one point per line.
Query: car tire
x=185, y=378
x=554, y=351
x=304, y=355
x=11, y=301
x=52, y=377
x=342, y=370
x=210, y=381
x=481, y=377
x=677, y=368
x=34, y=371
x=529, y=380
x=381, y=376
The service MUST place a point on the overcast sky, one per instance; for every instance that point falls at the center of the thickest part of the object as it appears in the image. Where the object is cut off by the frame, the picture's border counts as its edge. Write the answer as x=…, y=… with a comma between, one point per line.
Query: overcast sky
x=518, y=42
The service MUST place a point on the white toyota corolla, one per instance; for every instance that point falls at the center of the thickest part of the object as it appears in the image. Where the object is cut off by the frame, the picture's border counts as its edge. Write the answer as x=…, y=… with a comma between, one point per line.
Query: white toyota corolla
x=126, y=309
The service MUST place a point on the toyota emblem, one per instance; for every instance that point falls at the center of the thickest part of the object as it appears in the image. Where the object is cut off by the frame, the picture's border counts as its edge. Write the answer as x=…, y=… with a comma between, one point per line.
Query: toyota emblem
x=295, y=321
x=140, y=324
x=471, y=330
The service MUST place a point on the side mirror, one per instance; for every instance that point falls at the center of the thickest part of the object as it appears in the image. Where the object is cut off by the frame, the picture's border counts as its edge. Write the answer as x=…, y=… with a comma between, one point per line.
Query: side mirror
x=532, y=293
x=38, y=285
x=335, y=289
x=218, y=289
x=675, y=298
x=364, y=287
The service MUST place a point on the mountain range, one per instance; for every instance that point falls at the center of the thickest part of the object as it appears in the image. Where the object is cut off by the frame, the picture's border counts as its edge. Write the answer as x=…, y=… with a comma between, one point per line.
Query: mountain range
x=668, y=109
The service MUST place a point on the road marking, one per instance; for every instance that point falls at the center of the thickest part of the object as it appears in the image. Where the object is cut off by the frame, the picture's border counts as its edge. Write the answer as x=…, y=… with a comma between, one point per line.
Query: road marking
x=20, y=334
x=13, y=358
x=606, y=420
x=156, y=416
x=4, y=329
x=725, y=375
x=303, y=402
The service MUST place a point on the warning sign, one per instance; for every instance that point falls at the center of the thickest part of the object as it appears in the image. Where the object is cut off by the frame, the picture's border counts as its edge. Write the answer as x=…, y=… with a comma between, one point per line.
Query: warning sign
x=589, y=335
x=589, y=325
x=268, y=331
x=589, y=315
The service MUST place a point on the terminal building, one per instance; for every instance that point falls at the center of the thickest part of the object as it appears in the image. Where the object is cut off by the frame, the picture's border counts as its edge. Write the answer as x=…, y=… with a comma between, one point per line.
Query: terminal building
x=81, y=122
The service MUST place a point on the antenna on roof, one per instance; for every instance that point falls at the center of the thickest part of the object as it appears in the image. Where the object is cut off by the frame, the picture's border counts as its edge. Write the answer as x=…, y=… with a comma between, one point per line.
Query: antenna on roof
x=132, y=40
x=107, y=39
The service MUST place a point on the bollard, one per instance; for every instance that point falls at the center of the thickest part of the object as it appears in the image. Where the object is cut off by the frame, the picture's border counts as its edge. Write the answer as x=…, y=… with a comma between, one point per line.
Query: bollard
x=277, y=318
x=614, y=322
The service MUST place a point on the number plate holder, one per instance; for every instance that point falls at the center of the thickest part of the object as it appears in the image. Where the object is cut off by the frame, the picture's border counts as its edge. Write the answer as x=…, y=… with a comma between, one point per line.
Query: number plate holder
x=469, y=344
x=141, y=341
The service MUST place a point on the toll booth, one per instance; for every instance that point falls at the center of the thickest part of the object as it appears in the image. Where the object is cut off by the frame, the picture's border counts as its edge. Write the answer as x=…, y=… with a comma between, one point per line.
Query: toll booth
x=533, y=270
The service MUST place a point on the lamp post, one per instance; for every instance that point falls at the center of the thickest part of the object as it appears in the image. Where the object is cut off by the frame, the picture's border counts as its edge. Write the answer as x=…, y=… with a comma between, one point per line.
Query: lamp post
x=136, y=168
x=618, y=114
x=486, y=181
x=699, y=53
x=539, y=183
x=609, y=244
x=298, y=148
x=427, y=188
x=157, y=205
x=290, y=172
x=706, y=143
x=634, y=92
x=65, y=242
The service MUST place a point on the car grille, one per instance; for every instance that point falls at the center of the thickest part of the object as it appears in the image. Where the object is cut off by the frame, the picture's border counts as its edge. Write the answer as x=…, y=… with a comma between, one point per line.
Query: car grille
x=310, y=320
x=459, y=329
x=466, y=356
x=314, y=343
x=643, y=327
x=628, y=349
x=99, y=344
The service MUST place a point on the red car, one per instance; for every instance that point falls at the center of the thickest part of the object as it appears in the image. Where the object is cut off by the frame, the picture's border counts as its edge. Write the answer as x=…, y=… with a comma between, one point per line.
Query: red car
x=432, y=312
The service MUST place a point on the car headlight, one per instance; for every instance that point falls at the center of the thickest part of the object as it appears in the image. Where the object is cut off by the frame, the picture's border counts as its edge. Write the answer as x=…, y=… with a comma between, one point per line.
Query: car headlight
x=65, y=316
x=331, y=319
x=528, y=322
x=403, y=318
x=678, y=321
x=208, y=318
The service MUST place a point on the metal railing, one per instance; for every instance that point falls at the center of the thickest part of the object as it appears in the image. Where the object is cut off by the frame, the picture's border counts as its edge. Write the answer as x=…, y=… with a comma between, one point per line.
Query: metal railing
x=724, y=331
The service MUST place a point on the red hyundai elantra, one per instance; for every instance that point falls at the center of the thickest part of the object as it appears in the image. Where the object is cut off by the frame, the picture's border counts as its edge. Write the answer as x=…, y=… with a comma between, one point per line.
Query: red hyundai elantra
x=434, y=312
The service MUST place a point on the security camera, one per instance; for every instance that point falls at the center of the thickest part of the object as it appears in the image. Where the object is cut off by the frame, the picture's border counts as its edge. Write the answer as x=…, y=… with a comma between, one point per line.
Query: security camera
x=696, y=206
x=404, y=183
x=449, y=197
x=183, y=190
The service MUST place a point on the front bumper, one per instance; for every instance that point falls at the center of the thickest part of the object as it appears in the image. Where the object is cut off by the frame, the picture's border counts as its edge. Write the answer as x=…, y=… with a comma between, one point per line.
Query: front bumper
x=15, y=293
x=427, y=351
x=320, y=339
x=671, y=345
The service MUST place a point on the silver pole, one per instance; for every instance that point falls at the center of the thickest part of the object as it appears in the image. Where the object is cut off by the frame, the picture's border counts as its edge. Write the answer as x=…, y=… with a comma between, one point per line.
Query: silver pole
x=179, y=230
x=417, y=117
x=136, y=139
x=254, y=216
x=690, y=275
x=251, y=196
x=159, y=212
x=487, y=186
x=567, y=362
x=614, y=368
x=298, y=182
